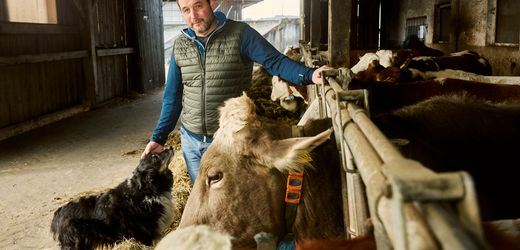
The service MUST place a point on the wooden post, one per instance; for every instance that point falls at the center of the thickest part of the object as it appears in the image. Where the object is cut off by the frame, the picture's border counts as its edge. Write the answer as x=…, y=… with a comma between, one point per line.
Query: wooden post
x=148, y=27
x=3, y=11
x=90, y=63
x=315, y=29
x=455, y=27
x=339, y=32
x=305, y=20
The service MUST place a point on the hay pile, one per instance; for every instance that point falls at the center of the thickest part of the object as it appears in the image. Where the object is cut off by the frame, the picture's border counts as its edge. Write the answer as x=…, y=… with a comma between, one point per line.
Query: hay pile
x=181, y=180
x=130, y=244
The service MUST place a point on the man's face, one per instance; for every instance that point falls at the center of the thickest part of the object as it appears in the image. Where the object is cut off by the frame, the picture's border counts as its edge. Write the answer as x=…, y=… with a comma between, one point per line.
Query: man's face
x=198, y=15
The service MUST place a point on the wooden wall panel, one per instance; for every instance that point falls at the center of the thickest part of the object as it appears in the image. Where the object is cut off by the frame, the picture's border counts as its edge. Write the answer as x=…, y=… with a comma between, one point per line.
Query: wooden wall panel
x=148, y=25
x=67, y=12
x=34, y=80
x=31, y=90
x=112, y=75
x=51, y=71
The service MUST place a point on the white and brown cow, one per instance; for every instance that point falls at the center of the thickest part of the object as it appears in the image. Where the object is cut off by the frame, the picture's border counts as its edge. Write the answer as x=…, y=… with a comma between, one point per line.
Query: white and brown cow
x=292, y=97
x=407, y=65
x=242, y=182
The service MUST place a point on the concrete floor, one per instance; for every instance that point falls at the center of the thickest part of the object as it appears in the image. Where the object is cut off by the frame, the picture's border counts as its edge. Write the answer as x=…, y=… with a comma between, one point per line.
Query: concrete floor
x=41, y=169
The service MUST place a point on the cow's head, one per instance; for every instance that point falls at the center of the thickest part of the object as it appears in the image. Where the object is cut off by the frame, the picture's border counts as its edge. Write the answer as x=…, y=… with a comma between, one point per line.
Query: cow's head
x=292, y=97
x=241, y=185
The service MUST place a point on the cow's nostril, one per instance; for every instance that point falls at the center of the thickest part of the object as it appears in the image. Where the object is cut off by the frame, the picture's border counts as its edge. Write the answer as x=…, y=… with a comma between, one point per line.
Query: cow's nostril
x=213, y=178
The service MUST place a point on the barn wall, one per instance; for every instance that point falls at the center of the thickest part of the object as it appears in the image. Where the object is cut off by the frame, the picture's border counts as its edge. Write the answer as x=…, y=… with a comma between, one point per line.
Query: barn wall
x=473, y=29
x=149, y=43
x=52, y=71
x=45, y=85
x=110, y=26
x=504, y=58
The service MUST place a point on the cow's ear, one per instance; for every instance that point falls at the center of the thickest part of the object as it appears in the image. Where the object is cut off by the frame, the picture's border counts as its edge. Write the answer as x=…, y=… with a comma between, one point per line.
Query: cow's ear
x=293, y=154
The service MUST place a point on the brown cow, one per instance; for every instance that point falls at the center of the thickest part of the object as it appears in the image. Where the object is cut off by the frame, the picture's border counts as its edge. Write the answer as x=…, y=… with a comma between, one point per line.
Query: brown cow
x=463, y=132
x=456, y=125
x=242, y=181
x=386, y=96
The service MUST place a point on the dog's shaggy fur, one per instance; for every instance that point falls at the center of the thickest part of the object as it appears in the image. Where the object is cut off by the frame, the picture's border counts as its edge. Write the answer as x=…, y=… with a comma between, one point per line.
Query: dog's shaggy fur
x=139, y=208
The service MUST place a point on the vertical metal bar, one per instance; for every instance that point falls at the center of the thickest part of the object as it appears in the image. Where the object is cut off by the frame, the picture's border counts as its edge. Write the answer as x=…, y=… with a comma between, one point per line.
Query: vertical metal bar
x=319, y=98
x=345, y=202
x=471, y=218
x=357, y=207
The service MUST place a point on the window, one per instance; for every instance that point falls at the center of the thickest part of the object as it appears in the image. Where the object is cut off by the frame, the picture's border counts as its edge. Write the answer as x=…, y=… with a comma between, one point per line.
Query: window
x=504, y=23
x=507, y=21
x=31, y=11
x=442, y=23
x=416, y=26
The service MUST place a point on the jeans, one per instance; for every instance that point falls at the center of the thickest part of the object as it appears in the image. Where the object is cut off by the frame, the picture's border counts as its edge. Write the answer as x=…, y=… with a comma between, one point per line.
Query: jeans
x=193, y=147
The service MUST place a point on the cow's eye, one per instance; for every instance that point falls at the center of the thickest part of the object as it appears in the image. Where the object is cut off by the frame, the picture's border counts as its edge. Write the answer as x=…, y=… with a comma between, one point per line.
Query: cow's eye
x=213, y=177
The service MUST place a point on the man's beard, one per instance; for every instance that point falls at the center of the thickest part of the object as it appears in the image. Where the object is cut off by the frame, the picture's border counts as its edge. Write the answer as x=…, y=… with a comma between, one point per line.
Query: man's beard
x=203, y=26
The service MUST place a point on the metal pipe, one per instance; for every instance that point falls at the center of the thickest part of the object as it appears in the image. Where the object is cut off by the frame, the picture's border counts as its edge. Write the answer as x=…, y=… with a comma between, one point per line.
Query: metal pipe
x=382, y=145
x=392, y=184
x=448, y=228
x=344, y=126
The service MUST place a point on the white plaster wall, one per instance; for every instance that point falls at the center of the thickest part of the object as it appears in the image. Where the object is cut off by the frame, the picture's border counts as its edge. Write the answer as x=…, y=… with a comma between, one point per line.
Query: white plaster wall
x=472, y=21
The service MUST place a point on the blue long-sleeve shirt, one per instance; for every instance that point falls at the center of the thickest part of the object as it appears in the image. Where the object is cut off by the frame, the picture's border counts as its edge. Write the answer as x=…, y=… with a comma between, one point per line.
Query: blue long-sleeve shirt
x=253, y=47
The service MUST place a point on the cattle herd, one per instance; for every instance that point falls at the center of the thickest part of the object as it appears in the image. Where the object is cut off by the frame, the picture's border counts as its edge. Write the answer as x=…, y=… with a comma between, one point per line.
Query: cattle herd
x=450, y=121
x=448, y=110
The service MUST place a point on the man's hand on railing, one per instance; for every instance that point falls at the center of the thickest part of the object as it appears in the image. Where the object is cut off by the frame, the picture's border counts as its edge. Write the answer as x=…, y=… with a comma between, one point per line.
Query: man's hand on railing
x=316, y=76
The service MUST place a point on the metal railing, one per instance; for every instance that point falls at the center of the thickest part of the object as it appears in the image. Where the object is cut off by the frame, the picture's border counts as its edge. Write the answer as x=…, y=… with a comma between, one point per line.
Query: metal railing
x=404, y=204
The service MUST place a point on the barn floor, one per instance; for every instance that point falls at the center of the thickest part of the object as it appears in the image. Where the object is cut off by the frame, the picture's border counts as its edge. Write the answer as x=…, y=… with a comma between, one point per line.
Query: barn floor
x=42, y=169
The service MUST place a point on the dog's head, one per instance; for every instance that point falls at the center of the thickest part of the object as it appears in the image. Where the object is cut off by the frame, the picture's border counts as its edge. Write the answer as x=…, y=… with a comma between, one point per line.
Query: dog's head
x=153, y=171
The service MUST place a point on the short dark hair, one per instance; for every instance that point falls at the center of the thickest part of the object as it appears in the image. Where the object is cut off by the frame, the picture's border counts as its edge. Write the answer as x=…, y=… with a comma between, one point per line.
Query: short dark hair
x=209, y=1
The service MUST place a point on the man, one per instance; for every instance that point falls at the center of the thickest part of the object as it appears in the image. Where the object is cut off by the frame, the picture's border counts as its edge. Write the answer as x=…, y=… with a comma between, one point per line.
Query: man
x=212, y=61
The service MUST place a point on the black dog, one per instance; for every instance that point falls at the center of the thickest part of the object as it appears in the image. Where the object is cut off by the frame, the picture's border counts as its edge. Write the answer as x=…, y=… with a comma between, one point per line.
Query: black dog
x=140, y=208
